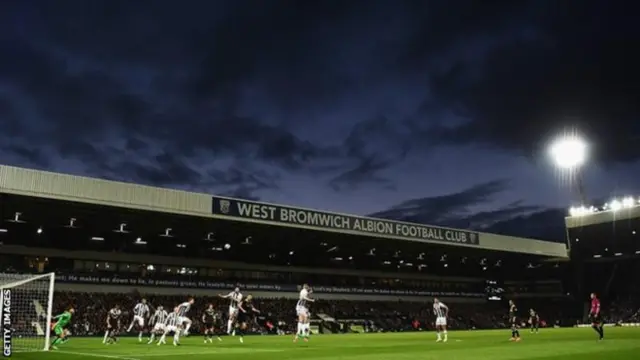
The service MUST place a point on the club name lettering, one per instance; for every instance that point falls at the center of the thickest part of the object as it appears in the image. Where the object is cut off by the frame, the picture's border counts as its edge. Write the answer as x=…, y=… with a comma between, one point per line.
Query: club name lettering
x=342, y=222
x=6, y=323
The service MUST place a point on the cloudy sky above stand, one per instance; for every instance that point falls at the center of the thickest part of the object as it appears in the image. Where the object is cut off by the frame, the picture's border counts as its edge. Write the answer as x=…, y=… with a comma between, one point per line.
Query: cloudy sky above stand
x=431, y=111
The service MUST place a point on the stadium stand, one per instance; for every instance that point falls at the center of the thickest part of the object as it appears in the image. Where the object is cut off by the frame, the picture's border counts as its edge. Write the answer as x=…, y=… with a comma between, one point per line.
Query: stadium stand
x=108, y=250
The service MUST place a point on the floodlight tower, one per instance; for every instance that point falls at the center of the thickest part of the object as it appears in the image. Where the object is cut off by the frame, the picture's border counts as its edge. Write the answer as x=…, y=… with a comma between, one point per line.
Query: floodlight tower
x=570, y=154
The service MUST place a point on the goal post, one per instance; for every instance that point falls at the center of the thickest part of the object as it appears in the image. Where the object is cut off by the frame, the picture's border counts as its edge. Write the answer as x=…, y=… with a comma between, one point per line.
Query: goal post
x=27, y=303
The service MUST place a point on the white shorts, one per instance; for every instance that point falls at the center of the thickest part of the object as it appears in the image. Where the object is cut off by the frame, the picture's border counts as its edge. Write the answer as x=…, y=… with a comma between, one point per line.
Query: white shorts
x=441, y=321
x=233, y=311
x=171, y=328
x=301, y=310
x=158, y=327
x=183, y=319
x=138, y=320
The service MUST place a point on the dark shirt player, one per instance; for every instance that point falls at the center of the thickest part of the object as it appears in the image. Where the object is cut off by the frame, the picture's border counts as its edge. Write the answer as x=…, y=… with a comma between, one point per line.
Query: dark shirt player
x=513, y=319
x=596, y=319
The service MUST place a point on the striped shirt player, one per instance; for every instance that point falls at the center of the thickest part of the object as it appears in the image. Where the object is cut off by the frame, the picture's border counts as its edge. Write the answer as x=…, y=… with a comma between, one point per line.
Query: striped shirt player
x=302, y=306
x=140, y=312
x=172, y=324
x=158, y=320
x=440, y=310
x=235, y=297
x=183, y=309
x=302, y=310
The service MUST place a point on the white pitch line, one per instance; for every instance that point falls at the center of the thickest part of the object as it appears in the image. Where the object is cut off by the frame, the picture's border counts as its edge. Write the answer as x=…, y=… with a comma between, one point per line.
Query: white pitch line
x=104, y=356
x=209, y=352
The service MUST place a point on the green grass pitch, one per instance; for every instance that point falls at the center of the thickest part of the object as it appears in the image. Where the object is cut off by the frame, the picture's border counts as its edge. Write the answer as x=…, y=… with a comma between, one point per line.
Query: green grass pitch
x=621, y=343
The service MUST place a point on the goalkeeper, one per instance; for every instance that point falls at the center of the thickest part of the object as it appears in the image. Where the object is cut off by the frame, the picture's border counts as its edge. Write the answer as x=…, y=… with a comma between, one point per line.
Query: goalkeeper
x=63, y=321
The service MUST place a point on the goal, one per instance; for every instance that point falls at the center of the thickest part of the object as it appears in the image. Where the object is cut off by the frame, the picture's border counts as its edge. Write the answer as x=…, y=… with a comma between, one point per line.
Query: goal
x=26, y=303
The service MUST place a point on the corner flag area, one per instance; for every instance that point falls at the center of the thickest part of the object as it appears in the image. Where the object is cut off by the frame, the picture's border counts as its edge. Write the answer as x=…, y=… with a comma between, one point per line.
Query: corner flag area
x=566, y=344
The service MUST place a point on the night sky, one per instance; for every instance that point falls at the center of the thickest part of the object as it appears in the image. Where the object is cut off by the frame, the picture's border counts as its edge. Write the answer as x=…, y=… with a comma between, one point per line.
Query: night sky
x=432, y=111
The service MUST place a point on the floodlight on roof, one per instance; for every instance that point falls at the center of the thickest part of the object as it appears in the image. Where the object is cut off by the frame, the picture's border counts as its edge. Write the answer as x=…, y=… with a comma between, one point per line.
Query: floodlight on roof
x=627, y=202
x=615, y=205
x=569, y=152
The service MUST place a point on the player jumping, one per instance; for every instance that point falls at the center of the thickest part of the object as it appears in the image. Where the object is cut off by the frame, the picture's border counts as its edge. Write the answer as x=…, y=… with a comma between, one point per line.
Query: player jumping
x=59, y=326
x=174, y=325
x=441, y=311
x=183, y=309
x=513, y=320
x=534, y=321
x=140, y=312
x=235, y=298
x=245, y=314
x=113, y=325
x=594, y=315
x=158, y=320
x=211, y=321
x=302, y=311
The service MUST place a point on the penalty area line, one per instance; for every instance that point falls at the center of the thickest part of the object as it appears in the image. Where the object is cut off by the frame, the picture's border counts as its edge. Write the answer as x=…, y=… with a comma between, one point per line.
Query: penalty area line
x=104, y=356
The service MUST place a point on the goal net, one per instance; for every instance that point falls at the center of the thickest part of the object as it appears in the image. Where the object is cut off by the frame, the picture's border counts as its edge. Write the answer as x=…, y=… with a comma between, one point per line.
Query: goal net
x=26, y=304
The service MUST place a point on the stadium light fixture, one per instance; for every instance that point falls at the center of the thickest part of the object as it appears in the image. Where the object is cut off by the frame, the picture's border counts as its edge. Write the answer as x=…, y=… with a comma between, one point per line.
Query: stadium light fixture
x=139, y=241
x=628, y=202
x=3, y=230
x=569, y=152
x=16, y=218
x=71, y=224
x=39, y=231
x=122, y=228
x=97, y=238
x=615, y=205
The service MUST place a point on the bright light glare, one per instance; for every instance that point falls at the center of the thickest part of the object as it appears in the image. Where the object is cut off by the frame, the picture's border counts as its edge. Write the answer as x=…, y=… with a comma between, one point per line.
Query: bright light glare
x=627, y=202
x=569, y=152
x=615, y=205
x=581, y=211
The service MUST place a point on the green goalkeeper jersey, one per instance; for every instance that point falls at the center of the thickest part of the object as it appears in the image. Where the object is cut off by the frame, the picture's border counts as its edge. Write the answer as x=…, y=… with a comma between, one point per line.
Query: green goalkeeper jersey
x=63, y=319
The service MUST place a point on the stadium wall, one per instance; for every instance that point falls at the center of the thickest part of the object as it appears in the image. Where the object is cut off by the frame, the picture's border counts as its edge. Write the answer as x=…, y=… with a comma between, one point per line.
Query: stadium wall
x=88, y=288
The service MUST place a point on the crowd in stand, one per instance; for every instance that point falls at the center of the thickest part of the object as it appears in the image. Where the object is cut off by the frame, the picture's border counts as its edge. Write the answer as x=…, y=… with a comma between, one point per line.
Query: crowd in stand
x=278, y=316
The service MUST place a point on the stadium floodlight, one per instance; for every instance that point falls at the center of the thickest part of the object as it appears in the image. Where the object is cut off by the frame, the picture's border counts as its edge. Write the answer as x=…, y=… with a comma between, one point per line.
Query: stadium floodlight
x=615, y=205
x=569, y=152
x=581, y=211
x=627, y=202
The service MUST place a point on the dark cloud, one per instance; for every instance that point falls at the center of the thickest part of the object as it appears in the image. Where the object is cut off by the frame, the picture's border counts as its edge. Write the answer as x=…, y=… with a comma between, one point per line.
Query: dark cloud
x=544, y=224
x=15, y=154
x=442, y=208
x=569, y=71
x=219, y=97
x=460, y=210
x=365, y=172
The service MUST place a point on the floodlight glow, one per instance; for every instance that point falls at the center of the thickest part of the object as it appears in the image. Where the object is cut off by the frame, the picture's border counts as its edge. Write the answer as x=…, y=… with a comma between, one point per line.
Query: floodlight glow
x=615, y=205
x=627, y=202
x=569, y=152
x=581, y=211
